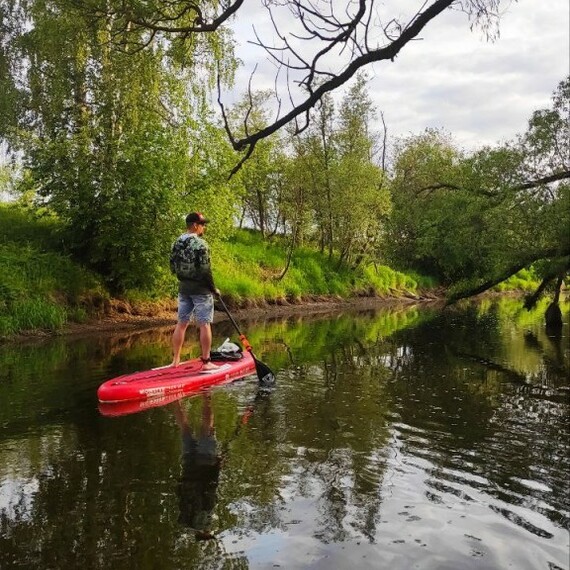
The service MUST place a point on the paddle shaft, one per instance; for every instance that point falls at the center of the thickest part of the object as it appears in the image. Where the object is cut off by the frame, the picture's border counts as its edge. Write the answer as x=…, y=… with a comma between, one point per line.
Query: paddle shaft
x=242, y=337
x=264, y=373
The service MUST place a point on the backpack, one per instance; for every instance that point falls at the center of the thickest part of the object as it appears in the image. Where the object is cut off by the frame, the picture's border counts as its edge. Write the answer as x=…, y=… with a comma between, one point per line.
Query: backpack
x=227, y=351
x=188, y=257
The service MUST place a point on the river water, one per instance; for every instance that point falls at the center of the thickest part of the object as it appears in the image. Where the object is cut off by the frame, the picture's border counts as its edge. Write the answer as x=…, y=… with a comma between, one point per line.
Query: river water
x=399, y=438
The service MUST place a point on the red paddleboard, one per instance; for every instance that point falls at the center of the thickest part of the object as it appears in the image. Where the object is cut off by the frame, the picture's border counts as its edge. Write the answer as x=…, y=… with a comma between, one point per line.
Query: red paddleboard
x=167, y=381
x=126, y=407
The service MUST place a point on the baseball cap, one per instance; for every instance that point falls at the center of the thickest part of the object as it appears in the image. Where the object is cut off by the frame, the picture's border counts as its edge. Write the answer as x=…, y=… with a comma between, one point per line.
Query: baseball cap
x=196, y=218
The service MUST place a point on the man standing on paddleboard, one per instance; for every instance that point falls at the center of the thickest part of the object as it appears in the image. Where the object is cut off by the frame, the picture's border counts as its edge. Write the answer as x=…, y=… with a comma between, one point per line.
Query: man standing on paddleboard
x=190, y=261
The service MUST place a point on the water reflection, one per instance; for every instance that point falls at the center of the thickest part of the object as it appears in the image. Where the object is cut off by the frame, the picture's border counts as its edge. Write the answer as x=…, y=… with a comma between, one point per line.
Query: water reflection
x=202, y=459
x=393, y=438
x=201, y=464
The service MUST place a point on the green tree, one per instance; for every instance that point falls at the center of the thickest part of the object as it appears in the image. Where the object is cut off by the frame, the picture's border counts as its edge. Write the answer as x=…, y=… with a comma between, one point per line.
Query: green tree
x=535, y=207
x=106, y=130
x=361, y=199
x=317, y=158
x=261, y=175
x=343, y=186
x=425, y=210
x=476, y=220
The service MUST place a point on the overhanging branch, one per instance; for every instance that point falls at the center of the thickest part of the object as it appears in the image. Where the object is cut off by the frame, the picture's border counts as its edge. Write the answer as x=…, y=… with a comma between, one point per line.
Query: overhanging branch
x=553, y=253
x=556, y=177
x=388, y=52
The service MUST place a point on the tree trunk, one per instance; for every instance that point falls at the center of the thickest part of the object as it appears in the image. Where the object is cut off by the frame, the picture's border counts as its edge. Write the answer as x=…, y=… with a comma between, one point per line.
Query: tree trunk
x=553, y=315
x=261, y=212
x=289, y=253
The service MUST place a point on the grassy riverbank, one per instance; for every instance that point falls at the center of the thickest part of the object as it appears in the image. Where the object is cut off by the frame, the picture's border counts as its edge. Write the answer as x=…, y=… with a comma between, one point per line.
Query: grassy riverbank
x=41, y=288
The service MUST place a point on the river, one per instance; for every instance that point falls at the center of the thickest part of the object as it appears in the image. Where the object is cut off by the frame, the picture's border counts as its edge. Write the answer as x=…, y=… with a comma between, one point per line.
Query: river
x=397, y=438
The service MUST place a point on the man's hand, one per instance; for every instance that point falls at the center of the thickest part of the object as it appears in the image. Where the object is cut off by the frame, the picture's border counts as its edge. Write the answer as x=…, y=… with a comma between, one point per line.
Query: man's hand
x=217, y=292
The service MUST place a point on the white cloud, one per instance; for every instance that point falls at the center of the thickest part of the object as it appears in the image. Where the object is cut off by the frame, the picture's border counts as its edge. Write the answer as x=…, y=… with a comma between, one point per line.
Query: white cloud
x=482, y=92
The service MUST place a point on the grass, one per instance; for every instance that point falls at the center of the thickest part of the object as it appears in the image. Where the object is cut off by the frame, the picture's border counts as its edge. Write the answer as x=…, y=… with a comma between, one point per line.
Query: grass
x=39, y=287
x=248, y=267
x=525, y=280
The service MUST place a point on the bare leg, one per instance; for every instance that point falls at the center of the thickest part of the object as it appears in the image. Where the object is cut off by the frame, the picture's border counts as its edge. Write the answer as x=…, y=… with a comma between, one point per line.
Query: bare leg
x=206, y=345
x=207, y=427
x=178, y=341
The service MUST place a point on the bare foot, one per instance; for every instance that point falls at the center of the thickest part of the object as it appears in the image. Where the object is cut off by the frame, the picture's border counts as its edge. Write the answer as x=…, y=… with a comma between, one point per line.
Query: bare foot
x=209, y=366
x=175, y=363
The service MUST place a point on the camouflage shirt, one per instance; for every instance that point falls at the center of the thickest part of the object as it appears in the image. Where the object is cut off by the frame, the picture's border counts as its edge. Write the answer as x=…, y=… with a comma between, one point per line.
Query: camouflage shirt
x=190, y=262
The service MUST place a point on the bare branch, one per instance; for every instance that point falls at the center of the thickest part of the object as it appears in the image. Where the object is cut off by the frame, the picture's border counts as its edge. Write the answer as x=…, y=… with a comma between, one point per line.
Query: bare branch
x=238, y=166
x=223, y=111
x=199, y=25
x=388, y=52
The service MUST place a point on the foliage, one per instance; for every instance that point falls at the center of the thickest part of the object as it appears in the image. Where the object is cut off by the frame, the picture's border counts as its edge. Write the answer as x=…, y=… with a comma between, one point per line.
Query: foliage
x=107, y=130
x=524, y=280
x=40, y=290
x=335, y=180
x=262, y=174
x=425, y=231
x=39, y=287
x=207, y=188
x=476, y=220
x=246, y=268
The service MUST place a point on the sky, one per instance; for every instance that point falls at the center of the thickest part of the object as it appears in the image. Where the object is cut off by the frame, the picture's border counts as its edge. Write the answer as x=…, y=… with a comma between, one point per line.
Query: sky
x=481, y=92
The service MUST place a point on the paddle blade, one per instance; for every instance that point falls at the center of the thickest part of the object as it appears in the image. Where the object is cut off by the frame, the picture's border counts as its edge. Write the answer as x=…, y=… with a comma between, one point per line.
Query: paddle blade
x=264, y=373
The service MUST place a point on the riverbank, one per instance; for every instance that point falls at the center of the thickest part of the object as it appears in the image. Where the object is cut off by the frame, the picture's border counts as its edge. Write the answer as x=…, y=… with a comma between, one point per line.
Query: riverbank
x=121, y=316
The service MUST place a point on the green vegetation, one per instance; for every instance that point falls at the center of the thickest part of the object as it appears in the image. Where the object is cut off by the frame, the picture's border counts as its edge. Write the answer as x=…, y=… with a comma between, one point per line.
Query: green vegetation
x=105, y=114
x=39, y=288
x=247, y=267
x=43, y=289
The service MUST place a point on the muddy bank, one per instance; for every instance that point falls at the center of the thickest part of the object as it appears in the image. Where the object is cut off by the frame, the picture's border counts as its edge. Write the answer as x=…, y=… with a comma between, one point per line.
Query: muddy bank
x=123, y=317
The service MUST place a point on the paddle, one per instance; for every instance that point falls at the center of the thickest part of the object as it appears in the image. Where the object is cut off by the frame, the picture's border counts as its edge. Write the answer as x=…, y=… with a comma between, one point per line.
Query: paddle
x=264, y=373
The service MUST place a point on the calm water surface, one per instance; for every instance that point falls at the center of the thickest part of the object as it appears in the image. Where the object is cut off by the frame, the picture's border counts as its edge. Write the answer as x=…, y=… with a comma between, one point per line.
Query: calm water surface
x=402, y=438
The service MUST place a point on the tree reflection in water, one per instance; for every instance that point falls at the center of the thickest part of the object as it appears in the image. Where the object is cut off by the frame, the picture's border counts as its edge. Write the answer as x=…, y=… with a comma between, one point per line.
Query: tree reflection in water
x=407, y=417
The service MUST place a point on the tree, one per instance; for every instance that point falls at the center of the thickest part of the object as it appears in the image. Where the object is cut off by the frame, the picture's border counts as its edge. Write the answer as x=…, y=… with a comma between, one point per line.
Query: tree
x=428, y=221
x=361, y=199
x=317, y=158
x=535, y=204
x=318, y=48
x=474, y=221
x=262, y=174
x=106, y=130
x=342, y=184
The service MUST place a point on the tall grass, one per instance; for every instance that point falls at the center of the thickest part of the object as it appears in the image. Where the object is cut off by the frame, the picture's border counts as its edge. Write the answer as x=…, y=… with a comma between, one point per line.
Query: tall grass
x=39, y=288
x=250, y=267
x=524, y=280
x=32, y=314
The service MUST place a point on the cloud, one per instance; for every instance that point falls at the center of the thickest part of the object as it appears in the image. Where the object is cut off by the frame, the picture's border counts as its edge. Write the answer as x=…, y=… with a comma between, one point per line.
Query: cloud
x=482, y=92
x=479, y=91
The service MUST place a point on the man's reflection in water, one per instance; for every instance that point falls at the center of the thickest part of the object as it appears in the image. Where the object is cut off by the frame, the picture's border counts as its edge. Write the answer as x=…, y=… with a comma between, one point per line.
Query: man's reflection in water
x=201, y=464
x=202, y=460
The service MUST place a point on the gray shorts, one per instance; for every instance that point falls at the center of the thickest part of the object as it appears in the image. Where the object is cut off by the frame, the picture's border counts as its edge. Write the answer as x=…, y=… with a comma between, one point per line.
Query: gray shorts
x=197, y=307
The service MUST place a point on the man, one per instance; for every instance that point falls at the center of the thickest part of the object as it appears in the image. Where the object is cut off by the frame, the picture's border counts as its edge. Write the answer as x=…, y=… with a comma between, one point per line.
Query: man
x=190, y=261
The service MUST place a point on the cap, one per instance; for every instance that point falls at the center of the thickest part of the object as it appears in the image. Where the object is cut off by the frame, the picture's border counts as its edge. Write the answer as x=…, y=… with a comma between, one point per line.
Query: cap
x=196, y=218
